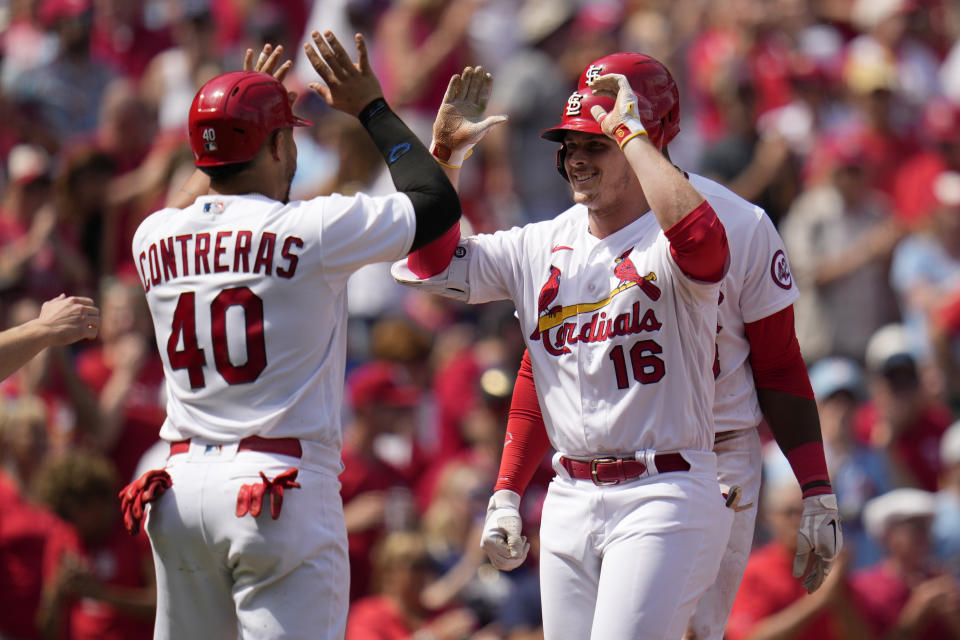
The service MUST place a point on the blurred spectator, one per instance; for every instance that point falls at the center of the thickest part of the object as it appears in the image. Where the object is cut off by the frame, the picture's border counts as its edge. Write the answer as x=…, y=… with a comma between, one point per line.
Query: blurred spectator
x=402, y=570
x=926, y=265
x=372, y=489
x=83, y=213
x=37, y=256
x=67, y=91
x=913, y=188
x=946, y=522
x=857, y=472
x=125, y=37
x=174, y=76
x=901, y=419
x=32, y=542
x=125, y=373
x=531, y=87
x=906, y=595
x=23, y=438
x=886, y=42
x=419, y=45
x=840, y=237
x=771, y=603
x=105, y=592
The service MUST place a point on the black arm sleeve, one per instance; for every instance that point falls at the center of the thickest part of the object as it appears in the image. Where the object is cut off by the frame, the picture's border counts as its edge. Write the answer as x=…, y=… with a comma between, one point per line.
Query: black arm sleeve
x=414, y=172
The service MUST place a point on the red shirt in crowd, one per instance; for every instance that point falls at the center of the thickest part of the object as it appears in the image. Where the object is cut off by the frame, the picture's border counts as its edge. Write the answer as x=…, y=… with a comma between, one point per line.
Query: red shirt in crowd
x=918, y=447
x=144, y=410
x=117, y=561
x=767, y=588
x=881, y=595
x=362, y=475
x=32, y=541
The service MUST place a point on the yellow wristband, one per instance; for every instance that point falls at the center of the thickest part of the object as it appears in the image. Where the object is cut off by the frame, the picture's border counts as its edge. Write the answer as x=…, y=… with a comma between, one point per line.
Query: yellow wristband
x=448, y=157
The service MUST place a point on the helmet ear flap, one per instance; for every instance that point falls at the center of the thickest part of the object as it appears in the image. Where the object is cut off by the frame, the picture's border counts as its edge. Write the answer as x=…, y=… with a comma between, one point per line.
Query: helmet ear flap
x=561, y=155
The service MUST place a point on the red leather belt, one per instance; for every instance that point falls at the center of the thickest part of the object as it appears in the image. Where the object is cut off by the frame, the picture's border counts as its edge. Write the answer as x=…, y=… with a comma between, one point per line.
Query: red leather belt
x=611, y=470
x=281, y=446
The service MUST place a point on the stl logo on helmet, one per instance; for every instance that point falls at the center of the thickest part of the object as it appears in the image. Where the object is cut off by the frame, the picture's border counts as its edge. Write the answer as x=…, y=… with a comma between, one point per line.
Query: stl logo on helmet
x=574, y=104
x=593, y=72
x=209, y=136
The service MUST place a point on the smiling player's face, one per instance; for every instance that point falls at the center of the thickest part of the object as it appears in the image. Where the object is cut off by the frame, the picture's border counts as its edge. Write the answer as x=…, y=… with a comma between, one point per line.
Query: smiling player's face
x=600, y=176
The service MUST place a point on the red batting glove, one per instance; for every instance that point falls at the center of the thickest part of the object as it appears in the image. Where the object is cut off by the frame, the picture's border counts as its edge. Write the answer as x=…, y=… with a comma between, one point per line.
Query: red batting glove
x=250, y=496
x=142, y=491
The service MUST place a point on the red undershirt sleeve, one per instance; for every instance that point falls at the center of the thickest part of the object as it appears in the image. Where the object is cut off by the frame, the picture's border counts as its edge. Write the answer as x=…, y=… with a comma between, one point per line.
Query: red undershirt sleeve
x=526, y=442
x=698, y=244
x=775, y=355
x=435, y=257
x=778, y=365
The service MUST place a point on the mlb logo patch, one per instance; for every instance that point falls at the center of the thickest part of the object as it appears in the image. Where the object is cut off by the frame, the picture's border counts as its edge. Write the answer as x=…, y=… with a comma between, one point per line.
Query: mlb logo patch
x=213, y=207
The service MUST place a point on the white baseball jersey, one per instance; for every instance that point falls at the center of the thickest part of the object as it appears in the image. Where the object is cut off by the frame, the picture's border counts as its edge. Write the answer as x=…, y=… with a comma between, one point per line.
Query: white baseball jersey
x=757, y=284
x=618, y=335
x=248, y=302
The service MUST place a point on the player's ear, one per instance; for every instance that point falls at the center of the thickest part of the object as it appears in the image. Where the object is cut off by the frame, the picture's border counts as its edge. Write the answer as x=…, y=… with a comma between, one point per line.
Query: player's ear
x=274, y=144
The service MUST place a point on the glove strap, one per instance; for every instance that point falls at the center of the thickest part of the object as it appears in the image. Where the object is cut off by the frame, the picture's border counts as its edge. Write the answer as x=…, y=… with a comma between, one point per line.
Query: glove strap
x=450, y=158
x=628, y=130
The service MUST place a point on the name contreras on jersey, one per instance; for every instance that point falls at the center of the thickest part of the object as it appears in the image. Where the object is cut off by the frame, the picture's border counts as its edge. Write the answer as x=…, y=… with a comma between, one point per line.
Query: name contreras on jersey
x=218, y=252
x=599, y=329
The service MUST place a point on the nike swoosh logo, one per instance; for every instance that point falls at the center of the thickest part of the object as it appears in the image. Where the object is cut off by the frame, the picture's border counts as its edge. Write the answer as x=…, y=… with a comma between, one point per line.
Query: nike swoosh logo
x=833, y=523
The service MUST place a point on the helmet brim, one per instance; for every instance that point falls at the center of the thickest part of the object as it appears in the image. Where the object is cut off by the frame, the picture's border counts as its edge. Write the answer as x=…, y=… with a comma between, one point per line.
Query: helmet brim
x=580, y=125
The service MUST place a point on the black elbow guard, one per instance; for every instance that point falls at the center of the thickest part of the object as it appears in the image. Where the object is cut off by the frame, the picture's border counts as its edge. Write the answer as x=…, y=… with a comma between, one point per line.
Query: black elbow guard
x=414, y=172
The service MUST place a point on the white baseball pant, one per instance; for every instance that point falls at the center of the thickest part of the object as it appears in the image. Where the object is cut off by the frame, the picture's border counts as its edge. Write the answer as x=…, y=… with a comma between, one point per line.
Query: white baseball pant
x=739, y=462
x=220, y=576
x=630, y=561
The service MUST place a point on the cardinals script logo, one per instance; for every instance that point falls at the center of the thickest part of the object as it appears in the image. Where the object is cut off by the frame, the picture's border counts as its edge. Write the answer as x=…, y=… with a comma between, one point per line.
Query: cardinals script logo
x=598, y=326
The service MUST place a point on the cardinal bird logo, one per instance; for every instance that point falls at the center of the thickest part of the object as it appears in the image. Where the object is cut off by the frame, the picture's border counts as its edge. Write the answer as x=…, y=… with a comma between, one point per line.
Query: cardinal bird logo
x=627, y=272
x=548, y=293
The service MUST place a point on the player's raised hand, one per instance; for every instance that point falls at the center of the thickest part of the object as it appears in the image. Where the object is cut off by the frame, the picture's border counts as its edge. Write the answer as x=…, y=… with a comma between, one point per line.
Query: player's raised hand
x=67, y=320
x=347, y=86
x=458, y=125
x=623, y=122
x=268, y=62
x=819, y=540
x=501, y=539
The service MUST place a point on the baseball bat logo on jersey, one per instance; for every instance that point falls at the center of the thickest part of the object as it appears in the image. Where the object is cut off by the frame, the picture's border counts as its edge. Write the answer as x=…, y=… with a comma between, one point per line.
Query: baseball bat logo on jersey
x=627, y=272
x=780, y=270
x=599, y=327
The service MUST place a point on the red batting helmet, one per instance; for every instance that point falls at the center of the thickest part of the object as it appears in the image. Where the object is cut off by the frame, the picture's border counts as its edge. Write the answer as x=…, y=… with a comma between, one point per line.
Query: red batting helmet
x=232, y=115
x=658, y=98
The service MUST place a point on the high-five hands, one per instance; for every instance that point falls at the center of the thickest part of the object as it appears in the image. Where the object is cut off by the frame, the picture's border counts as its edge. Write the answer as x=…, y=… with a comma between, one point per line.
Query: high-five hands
x=458, y=127
x=623, y=122
x=347, y=86
x=819, y=540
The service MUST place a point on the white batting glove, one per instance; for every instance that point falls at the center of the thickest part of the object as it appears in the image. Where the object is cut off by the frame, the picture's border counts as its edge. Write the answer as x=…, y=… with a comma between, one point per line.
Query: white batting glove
x=458, y=127
x=819, y=540
x=501, y=539
x=623, y=123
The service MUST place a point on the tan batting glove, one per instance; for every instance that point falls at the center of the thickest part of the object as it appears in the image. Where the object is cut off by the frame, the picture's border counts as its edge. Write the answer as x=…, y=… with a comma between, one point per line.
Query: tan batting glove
x=501, y=539
x=623, y=123
x=819, y=540
x=458, y=127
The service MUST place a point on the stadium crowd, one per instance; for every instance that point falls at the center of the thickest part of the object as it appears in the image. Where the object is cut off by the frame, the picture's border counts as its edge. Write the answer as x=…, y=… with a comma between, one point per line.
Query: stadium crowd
x=840, y=117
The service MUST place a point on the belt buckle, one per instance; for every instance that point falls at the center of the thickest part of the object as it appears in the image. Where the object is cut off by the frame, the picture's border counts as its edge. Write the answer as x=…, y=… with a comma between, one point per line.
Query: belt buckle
x=593, y=471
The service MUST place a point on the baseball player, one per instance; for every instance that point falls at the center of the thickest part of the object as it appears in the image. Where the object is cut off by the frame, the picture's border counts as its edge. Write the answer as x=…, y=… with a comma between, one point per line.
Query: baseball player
x=634, y=524
x=247, y=294
x=758, y=369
